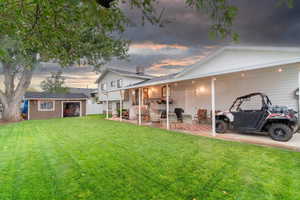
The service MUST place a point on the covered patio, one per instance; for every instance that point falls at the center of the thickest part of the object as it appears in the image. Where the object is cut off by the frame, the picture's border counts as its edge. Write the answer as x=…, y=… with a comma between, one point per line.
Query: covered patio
x=189, y=100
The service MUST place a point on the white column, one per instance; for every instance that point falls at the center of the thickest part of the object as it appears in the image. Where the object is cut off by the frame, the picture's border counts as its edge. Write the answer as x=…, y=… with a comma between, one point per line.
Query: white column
x=121, y=105
x=299, y=96
x=107, y=105
x=140, y=107
x=142, y=93
x=168, y=107
x=213, y=106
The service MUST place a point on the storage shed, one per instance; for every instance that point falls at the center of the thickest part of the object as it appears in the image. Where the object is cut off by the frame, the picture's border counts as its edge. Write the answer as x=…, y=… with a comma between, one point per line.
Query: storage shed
x=42, y=105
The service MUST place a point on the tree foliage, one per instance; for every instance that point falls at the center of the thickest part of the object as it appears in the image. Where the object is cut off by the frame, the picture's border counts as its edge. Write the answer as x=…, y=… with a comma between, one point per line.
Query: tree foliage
x=55, y=83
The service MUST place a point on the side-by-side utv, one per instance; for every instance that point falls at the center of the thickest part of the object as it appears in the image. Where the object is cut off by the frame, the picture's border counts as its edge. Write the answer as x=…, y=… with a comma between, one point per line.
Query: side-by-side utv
x=279, y=122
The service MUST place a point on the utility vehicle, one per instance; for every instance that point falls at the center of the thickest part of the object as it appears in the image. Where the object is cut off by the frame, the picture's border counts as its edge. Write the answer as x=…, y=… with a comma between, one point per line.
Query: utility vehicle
x=254, y=113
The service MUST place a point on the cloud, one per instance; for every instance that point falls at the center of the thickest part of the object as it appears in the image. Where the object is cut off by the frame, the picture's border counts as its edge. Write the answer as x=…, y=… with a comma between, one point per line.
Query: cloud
x=168, y=66
x=151, y=48
x=157, y=46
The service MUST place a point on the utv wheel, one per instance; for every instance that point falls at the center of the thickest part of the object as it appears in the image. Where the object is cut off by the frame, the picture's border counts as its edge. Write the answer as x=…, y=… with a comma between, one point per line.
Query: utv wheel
x=221, y=126
x=280, y=132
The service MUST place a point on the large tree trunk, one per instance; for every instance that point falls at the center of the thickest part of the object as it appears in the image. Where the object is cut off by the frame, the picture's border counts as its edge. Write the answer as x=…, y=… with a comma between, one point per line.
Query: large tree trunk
x=12, y=112
x=12, y=97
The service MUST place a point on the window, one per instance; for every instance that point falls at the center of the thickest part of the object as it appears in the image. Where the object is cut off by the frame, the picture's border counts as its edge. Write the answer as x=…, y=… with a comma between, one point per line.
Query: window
x=119, y=83
x=46, y=105
x=135, y=95
x=113, y=84
x=252, y=104
x=103, y=86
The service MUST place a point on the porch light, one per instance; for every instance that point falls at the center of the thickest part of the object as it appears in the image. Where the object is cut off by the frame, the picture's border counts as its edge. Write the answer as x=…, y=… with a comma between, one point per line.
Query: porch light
x=200, y=90
x=280, y=70
x=193, y=82
x=133, y=92
x=175, y=84
x=243, y=75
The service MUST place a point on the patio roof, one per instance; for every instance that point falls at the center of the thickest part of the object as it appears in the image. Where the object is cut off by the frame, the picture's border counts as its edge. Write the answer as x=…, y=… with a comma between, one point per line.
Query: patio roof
x=288, y=56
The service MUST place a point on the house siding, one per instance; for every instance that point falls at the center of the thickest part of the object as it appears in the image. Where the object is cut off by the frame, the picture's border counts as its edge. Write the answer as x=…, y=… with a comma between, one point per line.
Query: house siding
x=279, y=86
x=114, y=97
x=57, y=113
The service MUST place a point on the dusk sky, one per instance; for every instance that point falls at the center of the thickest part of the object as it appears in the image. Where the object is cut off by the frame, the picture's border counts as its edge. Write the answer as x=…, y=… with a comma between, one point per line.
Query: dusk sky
x=184, y=40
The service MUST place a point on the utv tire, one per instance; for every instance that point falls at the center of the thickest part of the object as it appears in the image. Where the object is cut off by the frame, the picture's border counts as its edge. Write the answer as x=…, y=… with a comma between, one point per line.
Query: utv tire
x=221, y=126
x=280, y=132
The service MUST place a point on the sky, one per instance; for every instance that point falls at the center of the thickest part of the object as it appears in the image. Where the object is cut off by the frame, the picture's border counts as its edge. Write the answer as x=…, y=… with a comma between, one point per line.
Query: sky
x=184, y=40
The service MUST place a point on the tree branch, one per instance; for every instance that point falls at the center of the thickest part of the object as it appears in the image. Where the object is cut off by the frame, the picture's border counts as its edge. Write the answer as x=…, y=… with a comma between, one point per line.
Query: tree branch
x=24, y=82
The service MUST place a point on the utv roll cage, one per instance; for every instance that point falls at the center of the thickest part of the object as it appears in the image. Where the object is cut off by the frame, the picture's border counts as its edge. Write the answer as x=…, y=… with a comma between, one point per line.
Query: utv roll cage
x=238, y=102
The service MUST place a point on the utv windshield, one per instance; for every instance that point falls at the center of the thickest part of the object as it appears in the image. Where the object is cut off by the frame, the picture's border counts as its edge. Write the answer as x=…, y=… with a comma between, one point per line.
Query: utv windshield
x=250, y=103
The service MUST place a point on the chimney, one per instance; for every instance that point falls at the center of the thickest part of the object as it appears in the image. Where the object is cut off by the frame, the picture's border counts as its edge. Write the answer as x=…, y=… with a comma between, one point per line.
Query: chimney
x=140, y=70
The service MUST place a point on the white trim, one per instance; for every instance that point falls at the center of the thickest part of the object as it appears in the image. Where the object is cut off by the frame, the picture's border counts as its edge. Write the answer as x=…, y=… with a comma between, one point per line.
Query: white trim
x=213, y=106
x=28, y=114
x=299, y=95
x=121, y=105
x=46, y=110
x=62, y=107
x=140, y=108
x=107, y=105
x=168, y=106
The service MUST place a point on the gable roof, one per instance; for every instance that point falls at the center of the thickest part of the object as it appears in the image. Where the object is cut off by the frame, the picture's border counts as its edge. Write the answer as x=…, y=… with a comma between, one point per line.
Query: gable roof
x=123, y=73
x=46, y=95
x=275, y=56
x=289, y=55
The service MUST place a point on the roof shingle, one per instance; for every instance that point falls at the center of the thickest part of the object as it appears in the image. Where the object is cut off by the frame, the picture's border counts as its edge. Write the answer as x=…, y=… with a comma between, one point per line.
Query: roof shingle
x=45, y=95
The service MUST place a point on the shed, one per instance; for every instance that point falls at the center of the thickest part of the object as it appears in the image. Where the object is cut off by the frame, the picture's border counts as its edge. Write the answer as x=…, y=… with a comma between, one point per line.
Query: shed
x=42, y=105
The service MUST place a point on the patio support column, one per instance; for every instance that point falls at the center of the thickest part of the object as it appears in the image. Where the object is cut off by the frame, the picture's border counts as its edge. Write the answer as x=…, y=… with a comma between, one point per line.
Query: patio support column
x=168, y=106
x=298, y=96
x=140, y=107
x=213, y=106
x=121, y=105
x=107, y=105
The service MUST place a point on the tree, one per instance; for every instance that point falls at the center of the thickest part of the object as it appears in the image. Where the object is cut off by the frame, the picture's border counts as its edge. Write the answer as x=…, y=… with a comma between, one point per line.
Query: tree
x=69, y=31
x=65, y=31
x=54, y=83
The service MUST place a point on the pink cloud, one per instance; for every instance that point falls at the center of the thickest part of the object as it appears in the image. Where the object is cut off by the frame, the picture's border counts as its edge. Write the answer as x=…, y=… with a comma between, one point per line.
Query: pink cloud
x=155, y=46
x=158, y=68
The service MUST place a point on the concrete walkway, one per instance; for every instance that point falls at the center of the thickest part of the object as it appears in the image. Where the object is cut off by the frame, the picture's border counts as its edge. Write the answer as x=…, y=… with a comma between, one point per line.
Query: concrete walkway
x=264, y=140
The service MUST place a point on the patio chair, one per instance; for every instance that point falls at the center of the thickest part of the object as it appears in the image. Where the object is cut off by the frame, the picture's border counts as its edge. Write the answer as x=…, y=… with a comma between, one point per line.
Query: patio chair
x=202, y=115
x=178, y=112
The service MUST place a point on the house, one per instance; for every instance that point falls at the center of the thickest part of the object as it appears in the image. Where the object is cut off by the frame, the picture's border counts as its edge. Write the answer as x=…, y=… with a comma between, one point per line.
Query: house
x=116, y=79
x=43, y=105
x=213, y=83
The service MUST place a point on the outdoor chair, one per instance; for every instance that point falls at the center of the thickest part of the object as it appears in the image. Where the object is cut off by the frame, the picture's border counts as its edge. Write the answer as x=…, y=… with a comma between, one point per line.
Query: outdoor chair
x=202, y=115
x=178, y=112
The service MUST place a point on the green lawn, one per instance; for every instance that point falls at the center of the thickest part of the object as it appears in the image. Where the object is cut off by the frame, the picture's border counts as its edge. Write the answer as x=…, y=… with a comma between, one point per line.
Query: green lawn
x=91, y=158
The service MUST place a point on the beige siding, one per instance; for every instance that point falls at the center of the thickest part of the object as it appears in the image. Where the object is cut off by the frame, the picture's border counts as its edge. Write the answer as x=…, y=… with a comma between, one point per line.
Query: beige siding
x=35, y=114
x=279, y=86
x=57, y=113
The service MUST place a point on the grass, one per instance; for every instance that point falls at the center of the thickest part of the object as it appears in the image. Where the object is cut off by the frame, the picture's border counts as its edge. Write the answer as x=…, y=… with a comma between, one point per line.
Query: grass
x=91, y=158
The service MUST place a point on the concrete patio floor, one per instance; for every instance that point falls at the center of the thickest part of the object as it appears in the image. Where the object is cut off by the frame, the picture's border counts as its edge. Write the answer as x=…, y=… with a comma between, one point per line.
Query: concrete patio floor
x=264, y=140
